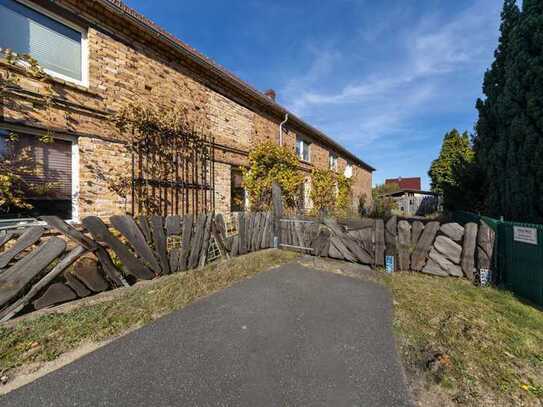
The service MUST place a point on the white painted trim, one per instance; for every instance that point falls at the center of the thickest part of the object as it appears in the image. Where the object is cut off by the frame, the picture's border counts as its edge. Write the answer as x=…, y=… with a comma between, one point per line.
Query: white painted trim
x=84, y=45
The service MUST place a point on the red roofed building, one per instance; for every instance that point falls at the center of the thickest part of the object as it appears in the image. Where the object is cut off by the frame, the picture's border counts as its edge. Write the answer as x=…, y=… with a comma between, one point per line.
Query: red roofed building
x=406, y=183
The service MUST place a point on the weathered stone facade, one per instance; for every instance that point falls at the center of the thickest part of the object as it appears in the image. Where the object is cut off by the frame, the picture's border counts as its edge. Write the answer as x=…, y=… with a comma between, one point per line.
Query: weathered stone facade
x=126, y=63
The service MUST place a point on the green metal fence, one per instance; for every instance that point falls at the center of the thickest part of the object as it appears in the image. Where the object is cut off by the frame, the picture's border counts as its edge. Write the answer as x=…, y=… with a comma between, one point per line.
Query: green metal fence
x=518, y=255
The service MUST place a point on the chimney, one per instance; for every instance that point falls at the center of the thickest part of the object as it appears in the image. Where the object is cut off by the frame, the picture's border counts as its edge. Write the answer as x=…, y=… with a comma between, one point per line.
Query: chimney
x=271, y=94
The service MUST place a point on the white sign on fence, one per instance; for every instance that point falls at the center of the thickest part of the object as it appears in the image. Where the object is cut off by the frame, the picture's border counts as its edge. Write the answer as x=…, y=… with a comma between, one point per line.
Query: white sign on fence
x=525, y=235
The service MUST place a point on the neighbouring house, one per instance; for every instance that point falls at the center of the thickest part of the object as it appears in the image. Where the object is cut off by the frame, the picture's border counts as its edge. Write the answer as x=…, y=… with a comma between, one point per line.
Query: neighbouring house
x=102, y=55
x=411, y=199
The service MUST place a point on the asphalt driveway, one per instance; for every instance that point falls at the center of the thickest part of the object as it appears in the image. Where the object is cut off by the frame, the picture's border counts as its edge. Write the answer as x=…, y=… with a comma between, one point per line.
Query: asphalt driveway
x=288, y=337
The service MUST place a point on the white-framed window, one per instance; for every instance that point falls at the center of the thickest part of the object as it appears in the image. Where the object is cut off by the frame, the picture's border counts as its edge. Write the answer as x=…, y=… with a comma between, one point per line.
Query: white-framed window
x=332, y=161
x=303, y=149
x=48, y=173
x=349, y=170
x=59, y=46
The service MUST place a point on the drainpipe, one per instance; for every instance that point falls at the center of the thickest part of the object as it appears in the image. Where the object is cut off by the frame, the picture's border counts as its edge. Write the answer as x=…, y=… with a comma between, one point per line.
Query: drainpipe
x=281, y=130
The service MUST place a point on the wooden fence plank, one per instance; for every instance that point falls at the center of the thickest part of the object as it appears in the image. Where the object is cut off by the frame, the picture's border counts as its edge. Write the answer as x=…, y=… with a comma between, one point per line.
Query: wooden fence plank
x=22, y=302
x=391, y=232
x=468, y=250
x=404, y=245
x=5, y=237
x=27, y=239
x=75, y=235
x=265, y=239
x=70, y=232
x=15, y=278
x=235, y=246
x=143, y=223
x=159, y=238
x=354, y=247
x=422, y=250
x=380, y=243
x=186, y=235
x=75, y=284
x=130, y=230
x=242, y=232
x=219, y=238
x=131, y=264
x=57, y=293
x=196, y=244
x=206, y=241
x=173, y=225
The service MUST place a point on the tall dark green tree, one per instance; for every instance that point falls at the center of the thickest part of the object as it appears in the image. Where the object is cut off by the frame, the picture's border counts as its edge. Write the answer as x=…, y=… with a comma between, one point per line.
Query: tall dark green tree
x=491, y=130
x=449, y=172
x=509, y=142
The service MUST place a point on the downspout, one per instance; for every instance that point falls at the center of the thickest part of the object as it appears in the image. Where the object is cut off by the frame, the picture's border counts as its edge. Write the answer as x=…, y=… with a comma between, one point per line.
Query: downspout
x=281, y=130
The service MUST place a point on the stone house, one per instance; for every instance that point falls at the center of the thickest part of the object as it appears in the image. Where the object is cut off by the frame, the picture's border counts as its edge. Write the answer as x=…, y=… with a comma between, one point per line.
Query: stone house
x=100, y=56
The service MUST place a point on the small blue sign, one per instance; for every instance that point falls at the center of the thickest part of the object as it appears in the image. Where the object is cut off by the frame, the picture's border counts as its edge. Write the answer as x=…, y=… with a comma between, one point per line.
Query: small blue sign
x=389, y=264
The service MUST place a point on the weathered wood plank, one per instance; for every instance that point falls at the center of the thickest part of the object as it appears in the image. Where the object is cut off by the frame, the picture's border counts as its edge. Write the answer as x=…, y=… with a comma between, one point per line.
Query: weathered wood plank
x=173, y=225
x=86, y=270
x=75, y=235
x=186, y=235
x=391, y=231
x=159, y=238
x=259, y=230
x=468, y=250
x=235, y=246
x=206, y=241
x=422, y=249
x=143, y=223
x=339, y=251
x=277, y=213
x=76, y=285
x=27, y=239
x=130, y=263
x=354, y=248
x=15, y=278
x=196, y=244
x=217, y=235
x=416, y=232
x=299, y=234
x=22, y=302
x=485, y=246
x=130, y=230
x=242, y=232
x=57, y=293
x=5, y=237
x=379, y=243
x=70, y=232
x=404, y=245
x=265, y=240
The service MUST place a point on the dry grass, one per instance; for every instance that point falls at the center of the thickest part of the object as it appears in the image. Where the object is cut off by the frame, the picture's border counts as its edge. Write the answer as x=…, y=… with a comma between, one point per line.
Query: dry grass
x=480, y=347
x=460, y=344
x=46, y=338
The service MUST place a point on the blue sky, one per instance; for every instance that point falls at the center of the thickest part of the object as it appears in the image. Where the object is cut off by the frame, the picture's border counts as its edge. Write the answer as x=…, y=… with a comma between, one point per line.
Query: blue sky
x=385, y=78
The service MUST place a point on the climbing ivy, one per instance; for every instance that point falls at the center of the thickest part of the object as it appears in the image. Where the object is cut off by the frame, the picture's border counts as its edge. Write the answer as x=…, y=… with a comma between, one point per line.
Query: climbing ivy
x=331, y=193
x=268, y=163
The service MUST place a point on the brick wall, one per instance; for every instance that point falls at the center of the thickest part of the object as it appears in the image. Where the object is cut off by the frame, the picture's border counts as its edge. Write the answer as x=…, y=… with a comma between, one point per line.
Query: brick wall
x=126, y=65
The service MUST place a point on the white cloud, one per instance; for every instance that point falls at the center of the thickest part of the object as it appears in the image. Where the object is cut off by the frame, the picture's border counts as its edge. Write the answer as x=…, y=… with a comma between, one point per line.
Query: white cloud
x=361, y=108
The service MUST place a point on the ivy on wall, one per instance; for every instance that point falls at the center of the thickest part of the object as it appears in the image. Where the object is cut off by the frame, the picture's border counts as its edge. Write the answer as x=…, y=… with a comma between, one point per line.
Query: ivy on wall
x=269, y=162
x=331, y=193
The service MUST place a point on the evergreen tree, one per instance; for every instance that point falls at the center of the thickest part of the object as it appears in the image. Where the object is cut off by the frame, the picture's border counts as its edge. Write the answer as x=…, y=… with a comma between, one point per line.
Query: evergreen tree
x=490, y=143
x=448, y=170
x=522, y=106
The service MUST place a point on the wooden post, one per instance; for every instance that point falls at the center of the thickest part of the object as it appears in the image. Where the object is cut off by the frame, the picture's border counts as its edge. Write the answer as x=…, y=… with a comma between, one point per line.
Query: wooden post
x=277, y=213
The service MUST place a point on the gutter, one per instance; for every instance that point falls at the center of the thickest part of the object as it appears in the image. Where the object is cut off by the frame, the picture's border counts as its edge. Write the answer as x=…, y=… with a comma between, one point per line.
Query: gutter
x=146, y=25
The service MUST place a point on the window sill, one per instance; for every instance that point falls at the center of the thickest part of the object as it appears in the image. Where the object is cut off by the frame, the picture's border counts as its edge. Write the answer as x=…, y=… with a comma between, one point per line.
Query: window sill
x=24, y=72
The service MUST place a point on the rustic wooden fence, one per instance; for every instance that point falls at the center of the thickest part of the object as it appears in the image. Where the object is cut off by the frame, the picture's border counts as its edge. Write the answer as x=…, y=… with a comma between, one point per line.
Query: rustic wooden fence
x=52, y=264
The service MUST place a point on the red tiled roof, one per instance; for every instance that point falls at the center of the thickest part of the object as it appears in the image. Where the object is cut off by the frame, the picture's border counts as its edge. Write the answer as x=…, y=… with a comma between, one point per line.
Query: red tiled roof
x=119, y=8
x=406, y=183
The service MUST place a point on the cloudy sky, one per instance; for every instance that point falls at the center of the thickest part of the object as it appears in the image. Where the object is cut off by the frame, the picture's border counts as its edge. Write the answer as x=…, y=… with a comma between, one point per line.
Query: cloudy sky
x=385, y=78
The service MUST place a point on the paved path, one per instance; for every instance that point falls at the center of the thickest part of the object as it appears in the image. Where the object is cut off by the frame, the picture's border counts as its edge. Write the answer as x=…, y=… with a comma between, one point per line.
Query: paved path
x=288, y=337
